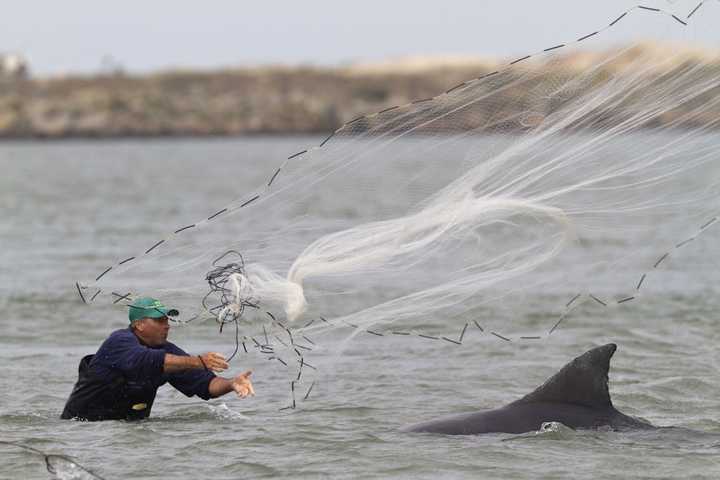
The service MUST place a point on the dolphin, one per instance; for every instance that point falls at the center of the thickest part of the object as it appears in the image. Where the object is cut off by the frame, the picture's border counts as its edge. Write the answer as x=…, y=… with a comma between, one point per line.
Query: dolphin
x=577, y=396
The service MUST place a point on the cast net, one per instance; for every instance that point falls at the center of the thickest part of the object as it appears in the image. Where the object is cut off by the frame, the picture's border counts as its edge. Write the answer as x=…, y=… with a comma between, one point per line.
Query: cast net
x=546, y=173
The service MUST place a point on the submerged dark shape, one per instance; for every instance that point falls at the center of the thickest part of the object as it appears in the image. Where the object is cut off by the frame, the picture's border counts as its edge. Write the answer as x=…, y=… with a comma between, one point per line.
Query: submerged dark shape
x=577, y=396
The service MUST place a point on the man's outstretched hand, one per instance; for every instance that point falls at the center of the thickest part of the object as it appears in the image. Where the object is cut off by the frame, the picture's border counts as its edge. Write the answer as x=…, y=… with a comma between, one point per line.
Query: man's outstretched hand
x=242, y=385
x=214, y=361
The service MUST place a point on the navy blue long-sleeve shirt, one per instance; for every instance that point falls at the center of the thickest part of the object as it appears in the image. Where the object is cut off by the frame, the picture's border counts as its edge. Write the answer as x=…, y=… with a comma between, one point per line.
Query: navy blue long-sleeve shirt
x=122, y=354
x=120, y=381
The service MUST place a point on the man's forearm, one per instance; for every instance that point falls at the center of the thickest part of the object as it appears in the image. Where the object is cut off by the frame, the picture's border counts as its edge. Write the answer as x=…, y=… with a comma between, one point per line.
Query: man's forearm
x=219, y=386
x=177, y=363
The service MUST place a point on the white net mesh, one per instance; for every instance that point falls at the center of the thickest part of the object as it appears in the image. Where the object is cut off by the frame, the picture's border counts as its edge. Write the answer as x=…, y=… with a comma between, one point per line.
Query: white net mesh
x=469, y=201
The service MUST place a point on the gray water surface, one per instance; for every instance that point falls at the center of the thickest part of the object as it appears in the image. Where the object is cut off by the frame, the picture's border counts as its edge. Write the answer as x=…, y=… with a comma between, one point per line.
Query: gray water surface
x=66, y=207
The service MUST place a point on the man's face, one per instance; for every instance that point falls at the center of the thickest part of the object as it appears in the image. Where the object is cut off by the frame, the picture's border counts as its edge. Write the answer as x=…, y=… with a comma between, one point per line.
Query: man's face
x=154, y=331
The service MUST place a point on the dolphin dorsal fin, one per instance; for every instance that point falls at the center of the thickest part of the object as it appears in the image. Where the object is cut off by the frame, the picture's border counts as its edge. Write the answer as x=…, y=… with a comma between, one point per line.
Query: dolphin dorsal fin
x=584, y=381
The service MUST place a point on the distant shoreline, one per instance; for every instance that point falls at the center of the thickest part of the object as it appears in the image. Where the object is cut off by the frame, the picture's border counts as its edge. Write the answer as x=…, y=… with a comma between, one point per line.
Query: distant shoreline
x=246, y=102
x=158, y=137
x=270, y=101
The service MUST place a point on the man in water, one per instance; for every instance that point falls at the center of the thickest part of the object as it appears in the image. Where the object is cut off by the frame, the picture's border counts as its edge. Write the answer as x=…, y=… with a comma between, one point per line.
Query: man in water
x=120, y=381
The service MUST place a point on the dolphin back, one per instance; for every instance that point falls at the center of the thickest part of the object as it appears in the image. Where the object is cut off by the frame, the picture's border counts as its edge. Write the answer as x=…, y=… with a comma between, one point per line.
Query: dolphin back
x=577, y=396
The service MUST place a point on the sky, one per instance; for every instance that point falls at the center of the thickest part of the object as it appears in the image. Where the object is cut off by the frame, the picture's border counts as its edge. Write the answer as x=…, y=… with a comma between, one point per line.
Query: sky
x=151, y=35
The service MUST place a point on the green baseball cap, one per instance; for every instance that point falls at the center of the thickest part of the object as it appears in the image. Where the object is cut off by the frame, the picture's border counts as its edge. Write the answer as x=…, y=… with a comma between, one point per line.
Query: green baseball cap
x=146, y=307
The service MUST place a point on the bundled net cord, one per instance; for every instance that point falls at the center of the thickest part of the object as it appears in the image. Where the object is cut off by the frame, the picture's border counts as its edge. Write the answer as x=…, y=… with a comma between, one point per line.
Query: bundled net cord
x=225, y=282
